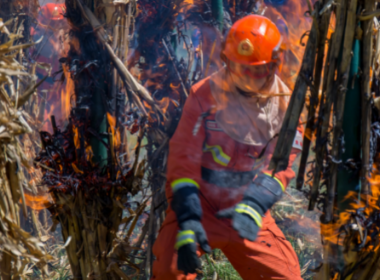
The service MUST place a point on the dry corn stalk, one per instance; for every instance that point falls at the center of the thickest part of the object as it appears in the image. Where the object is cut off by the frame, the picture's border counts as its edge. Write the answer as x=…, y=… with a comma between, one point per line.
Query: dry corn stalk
x=14, y=241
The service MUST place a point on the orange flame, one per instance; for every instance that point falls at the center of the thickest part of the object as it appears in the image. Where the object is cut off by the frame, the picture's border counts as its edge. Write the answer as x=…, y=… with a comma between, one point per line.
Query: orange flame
x=89, y=153
x=76, y=137
x=66, y=95
x=330, y=232
x=369, y=203
x=38, y=202
x=164, y=104
x=116, y=140
x=76, y=169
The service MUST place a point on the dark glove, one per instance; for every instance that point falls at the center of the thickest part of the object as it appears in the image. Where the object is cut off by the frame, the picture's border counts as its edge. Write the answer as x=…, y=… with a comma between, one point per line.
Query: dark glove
x=259, y=197
x=191, y=234
x=187, y=206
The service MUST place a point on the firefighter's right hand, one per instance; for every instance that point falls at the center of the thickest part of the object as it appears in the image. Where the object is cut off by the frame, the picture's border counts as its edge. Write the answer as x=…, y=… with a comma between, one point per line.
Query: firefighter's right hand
x=187, y=207
x=188, y=238
x=246, y=219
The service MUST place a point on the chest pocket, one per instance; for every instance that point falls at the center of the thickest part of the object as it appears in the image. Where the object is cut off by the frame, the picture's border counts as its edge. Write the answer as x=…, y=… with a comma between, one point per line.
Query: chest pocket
x=217, y=154
x=217, y=144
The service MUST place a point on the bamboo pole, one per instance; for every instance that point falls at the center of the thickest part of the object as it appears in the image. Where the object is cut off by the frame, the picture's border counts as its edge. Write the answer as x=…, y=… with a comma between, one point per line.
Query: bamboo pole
x=217, y=12
x=344, y=71
x=335, y=46
x=323, y=25
x=280, y=158
x=366, y=97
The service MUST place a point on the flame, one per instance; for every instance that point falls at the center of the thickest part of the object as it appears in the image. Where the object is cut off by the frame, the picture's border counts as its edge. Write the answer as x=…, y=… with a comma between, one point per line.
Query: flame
x=76, y=169
x=369, y=204
x=164, y=104
x=89, y=153
x=116, y=139
x=330, y=232
x=38, y=202
x=76, y=137
x=66, y=95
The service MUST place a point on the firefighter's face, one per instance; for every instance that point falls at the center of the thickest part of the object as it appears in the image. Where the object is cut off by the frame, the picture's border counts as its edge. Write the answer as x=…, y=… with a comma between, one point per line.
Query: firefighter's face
x=251, y=78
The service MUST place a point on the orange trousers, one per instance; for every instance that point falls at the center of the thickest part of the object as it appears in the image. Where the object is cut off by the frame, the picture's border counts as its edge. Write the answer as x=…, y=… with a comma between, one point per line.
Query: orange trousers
x=270, y=256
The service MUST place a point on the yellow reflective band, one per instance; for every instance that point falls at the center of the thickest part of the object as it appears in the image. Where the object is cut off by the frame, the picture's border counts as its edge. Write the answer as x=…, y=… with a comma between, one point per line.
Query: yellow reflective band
x=277, y=180
x=183, y=242
x=246, y=209
x=183, y=238
x=183, y=182
x=218, y=155
x=182, y=233
x=258, y=163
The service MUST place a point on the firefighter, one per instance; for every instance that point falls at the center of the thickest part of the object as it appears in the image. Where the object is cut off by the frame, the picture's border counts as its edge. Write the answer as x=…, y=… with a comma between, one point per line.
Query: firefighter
x=219, y=187
x=52, y=25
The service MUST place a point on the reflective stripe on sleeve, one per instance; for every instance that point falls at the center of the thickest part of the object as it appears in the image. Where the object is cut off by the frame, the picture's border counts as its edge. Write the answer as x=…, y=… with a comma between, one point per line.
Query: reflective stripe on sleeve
x=277, y=180
x=183, y=182
x=184, y=237
x=246, y=209
x=218, y=155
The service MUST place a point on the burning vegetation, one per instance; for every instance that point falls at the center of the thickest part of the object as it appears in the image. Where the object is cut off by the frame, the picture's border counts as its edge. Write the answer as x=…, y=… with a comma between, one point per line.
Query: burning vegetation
x=92, y=92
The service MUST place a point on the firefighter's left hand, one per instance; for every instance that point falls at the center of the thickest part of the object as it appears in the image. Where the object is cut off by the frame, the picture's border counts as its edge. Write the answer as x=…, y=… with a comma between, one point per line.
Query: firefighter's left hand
x=246, y=219
x=259, y=197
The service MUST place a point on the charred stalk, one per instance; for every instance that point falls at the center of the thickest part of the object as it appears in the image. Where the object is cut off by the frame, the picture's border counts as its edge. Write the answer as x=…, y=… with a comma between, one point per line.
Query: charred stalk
x=366, y=98
x=322, y=132
x=344, y=70
x=323, y=26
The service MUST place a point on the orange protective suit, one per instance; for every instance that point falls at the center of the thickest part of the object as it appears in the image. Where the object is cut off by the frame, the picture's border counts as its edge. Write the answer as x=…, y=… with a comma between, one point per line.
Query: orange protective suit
x=199, y=150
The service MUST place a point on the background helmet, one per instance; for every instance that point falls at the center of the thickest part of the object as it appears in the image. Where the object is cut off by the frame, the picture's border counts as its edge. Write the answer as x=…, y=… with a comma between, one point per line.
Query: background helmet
x=51, y=12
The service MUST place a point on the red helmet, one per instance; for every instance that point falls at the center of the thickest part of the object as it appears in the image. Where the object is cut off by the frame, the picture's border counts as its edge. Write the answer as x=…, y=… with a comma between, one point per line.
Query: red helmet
x=51, y=12
x=252, y=40
x=50, y=16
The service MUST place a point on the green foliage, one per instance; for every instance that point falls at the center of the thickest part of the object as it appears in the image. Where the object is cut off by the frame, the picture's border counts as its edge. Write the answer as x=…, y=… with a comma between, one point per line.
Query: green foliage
x=222, y=267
